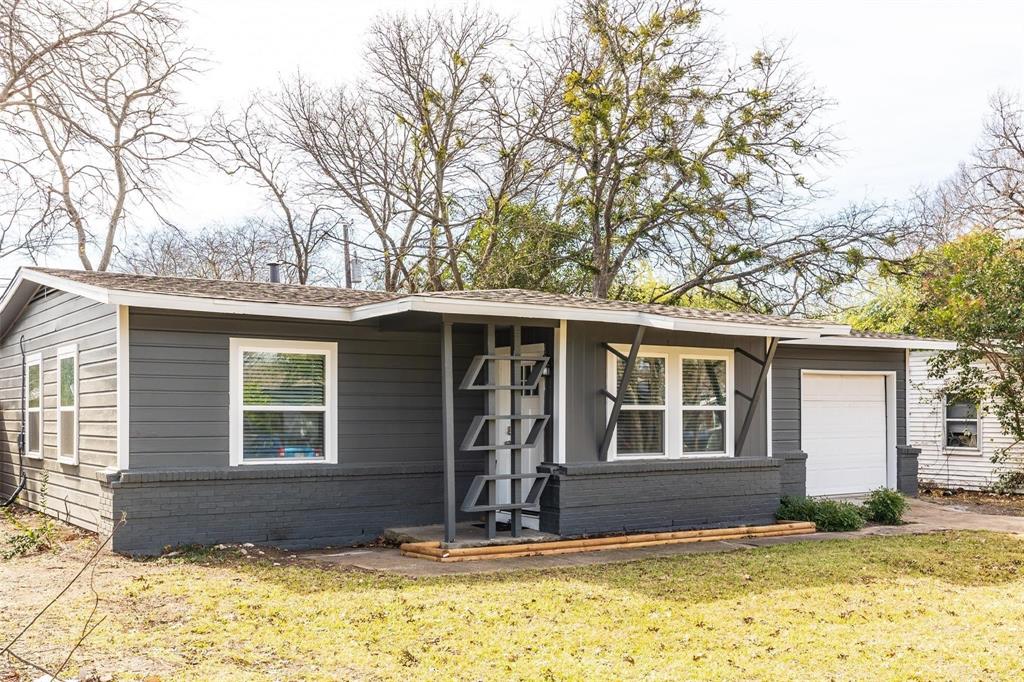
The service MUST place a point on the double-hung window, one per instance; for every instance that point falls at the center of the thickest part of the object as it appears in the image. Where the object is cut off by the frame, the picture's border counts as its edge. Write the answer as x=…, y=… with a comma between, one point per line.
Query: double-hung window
x=34, y=406
x=962, y=424
x=67, y=405
x=678, y=403
x=283, y=401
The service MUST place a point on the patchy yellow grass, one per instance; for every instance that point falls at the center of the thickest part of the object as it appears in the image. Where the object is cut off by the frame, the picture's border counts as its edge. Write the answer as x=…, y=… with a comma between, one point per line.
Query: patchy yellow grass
x=936, y=607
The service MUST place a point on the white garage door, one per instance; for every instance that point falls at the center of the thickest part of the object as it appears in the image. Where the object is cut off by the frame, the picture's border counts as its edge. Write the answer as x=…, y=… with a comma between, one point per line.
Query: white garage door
x=844, y=432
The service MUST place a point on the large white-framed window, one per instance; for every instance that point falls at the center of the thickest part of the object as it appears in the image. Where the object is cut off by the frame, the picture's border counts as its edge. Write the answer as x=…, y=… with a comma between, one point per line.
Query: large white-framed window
x=67, y=404
x=283, y=401
x=962, y=425
x=679, y=403
x=34, y=406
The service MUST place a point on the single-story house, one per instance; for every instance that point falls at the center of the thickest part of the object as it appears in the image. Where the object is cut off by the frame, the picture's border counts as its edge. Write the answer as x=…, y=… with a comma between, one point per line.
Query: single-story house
x=957, y=439
x=218, y=411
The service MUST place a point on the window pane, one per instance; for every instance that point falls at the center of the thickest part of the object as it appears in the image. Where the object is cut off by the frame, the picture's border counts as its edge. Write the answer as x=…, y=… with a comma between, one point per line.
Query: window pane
x=704, y=382
x=67, y=433
x=704, y=431
x=962, y=434
x=647, y=382
x=961, y=409
x=34, y=393
x=33, y=432
x=640, y=432
x=283, y=378
x=282, y=435
x=67, y=382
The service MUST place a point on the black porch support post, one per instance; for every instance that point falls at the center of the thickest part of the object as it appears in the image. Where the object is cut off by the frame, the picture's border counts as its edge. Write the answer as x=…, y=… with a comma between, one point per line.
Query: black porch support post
x=492, y=435
x=448, y=429
x=773, y=345
x=620, y=394
x=516, y=453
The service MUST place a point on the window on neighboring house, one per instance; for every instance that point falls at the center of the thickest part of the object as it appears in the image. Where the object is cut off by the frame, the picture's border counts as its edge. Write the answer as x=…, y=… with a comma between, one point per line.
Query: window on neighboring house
x=34, y=406
x=640, y=430
x=962, y=425
x=67, y=405
x=283, y=398
x=678, y=403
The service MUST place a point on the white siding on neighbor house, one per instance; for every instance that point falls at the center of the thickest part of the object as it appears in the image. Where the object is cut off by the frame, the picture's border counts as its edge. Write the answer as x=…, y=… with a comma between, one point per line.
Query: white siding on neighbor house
x=936, y=464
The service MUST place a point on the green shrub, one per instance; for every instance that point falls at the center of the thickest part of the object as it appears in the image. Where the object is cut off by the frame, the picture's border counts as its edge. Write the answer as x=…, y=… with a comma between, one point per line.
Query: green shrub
x=827, y=515
x=885, y=506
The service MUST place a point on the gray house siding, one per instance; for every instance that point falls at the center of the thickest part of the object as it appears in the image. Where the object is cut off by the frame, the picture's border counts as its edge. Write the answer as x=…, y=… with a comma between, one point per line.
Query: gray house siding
x=791, y=359
x=389, y=387
x=51, y=320
x=586, y=371
x=180, y=488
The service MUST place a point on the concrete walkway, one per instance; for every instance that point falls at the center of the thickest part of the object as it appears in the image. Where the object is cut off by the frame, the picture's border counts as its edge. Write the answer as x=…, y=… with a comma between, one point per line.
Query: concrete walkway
x=923, y=517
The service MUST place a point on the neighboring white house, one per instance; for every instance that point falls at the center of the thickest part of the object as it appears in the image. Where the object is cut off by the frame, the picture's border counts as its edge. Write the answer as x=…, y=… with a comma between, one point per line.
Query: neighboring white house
x=957, y=441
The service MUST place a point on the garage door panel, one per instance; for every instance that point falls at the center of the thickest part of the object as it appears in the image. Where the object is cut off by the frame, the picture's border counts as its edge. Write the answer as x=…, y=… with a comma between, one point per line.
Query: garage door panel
x=844, y=432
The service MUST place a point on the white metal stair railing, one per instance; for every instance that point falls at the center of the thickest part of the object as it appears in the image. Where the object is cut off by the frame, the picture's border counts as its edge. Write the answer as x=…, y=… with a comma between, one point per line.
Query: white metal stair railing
x=487, y=483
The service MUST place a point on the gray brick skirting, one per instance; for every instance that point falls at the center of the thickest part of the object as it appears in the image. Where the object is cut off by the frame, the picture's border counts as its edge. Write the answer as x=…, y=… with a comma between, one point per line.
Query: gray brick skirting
x=289, y=506
x=794, y=472
x=660, y=495
x=906, y=469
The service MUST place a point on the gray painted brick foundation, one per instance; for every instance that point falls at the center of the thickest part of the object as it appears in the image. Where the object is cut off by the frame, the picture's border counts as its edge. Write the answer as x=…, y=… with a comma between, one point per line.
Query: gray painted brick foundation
x=906, y=469
x=794, y=473
x=650, y=496
x=288, y=506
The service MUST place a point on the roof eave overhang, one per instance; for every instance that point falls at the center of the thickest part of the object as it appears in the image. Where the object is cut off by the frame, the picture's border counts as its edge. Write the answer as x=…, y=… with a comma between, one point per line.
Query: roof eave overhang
x=451, y=306
x=862, y=342
x=414, y=303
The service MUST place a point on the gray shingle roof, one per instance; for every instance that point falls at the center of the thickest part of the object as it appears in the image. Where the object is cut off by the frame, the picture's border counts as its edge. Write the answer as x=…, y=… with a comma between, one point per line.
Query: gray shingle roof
x=526, y=297
x=297, y=294
x=232, y=290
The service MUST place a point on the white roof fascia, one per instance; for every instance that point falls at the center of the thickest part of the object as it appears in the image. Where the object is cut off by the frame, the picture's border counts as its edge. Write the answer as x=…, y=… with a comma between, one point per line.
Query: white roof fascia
x=455, y=306
x=865, y=342
x=228, y=306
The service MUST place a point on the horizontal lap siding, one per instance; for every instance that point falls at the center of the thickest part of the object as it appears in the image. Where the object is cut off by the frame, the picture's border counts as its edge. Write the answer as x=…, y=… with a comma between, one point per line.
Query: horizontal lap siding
x=389, y=387
x=48, y=323
x=953, y=469
x=585, y=376
x=790, y=360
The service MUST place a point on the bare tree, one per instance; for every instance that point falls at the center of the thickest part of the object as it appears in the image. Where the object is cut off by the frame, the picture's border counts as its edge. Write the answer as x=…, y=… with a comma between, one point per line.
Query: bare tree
x=237, y=252
x=89, y=103
x=251, y=146
x=987, y=190
x=441, y=136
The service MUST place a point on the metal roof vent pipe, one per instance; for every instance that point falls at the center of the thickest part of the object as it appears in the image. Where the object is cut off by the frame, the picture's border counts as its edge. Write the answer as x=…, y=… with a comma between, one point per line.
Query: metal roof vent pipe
x=275, y=272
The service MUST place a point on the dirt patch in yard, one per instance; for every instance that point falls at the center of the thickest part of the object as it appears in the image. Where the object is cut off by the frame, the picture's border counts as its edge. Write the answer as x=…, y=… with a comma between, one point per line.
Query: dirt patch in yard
x=975, y=501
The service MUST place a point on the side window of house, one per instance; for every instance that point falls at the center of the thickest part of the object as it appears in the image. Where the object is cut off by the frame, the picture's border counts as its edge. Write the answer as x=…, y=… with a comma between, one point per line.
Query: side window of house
x=705, y=405
x=961, y=424
x=67, y=405
x=34, y=406
x=640, y=429
x=282, y=404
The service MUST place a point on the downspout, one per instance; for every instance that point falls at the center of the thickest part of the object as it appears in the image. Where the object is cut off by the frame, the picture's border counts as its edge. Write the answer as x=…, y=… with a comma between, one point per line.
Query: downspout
x=23, y=480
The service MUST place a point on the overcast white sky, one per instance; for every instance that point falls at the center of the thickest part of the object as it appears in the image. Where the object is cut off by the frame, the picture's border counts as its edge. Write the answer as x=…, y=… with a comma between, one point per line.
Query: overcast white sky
x=911, y=79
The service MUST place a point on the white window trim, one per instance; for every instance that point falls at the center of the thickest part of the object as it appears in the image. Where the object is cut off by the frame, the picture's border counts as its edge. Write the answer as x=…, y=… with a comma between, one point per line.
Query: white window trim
x=674, y=356
x=330, y=351
x=63, y=353
x=957, y=450
x=34, y=360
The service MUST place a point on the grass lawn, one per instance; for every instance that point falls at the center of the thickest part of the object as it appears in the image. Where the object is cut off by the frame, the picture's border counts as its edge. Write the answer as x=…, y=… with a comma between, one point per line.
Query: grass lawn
x=945, y=606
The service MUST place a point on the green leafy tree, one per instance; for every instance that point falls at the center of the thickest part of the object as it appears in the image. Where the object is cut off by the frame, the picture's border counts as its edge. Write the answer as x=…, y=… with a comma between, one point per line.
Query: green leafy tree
x=522, y=247
x=972, y=292
x=675, y=155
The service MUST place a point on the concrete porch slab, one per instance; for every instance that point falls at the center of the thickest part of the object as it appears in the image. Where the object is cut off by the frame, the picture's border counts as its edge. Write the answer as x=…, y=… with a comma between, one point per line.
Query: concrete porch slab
x=467, y=534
